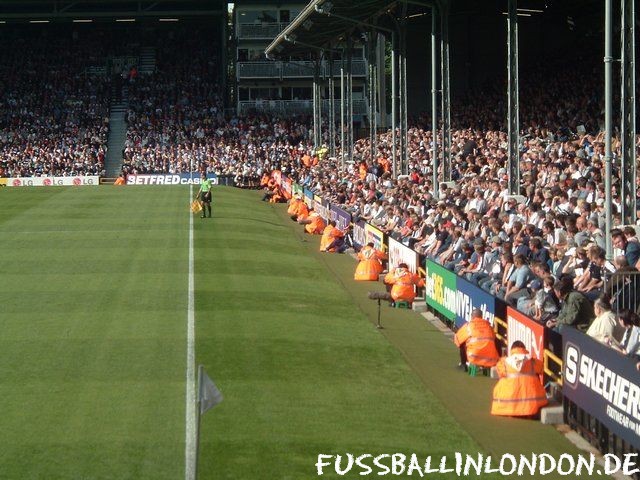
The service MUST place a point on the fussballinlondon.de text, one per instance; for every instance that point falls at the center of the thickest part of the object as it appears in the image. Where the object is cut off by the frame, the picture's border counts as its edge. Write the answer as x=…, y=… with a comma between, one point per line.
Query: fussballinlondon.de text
x=464, y=465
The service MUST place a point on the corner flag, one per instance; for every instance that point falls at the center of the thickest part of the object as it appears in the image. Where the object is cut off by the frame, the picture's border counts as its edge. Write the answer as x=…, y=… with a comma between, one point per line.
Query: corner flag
x=208, y=394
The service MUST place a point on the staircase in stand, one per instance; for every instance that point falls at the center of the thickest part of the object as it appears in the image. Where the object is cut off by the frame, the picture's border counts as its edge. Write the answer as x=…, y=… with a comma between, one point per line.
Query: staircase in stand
x=117, y=134
x=147, y=63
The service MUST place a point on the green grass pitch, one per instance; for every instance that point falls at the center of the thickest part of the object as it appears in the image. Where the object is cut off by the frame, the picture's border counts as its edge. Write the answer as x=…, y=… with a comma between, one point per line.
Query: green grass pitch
x=93, y=309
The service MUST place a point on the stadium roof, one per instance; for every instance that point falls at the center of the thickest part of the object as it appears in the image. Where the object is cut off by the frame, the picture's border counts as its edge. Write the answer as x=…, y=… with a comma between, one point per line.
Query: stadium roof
x=313, y=29
x=61, y=9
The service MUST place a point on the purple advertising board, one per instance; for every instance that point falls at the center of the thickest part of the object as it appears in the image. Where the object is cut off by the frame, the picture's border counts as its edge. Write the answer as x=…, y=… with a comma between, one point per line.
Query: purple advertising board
x=342, y=217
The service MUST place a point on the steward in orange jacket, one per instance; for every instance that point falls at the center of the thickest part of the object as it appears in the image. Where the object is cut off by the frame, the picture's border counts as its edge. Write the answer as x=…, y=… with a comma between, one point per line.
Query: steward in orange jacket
x=370, y=266
x=293, y=205
x=264, y=181
x=277, y=196
x=403, y=283
x=330, y=236
x=316, y=224
x=302, y=213
x=477, y=342
x=519, y=392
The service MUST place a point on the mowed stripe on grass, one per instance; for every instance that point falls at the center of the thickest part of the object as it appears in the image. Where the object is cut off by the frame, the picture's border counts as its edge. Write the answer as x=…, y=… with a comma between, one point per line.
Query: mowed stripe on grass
x=93, y=299
x=302, y=370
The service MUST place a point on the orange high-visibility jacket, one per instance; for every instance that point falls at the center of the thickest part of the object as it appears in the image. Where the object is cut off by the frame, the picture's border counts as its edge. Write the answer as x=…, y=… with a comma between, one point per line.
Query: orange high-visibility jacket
x=293, y=206
x=277, y=196
x=404, y=282
x=264, y=181
x=369, y=268
x=519, y=392
x=120, y=181
x=302, y=212
x=480, y=341
x=317, y=224
x=329, y=234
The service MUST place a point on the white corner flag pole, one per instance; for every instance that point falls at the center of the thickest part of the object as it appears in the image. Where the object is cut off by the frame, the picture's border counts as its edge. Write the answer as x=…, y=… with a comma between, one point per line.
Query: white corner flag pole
x=198, y=400
x=208, y=397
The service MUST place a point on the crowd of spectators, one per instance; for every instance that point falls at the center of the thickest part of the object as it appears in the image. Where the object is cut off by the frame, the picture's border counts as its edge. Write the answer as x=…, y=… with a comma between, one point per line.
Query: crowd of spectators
x=542, y=251
x=54, y=115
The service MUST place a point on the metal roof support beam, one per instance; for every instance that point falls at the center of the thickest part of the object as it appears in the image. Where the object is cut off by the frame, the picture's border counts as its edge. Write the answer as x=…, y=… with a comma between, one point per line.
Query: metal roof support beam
x=343, y=144
x=332, y=110
x=394, y=105
x=381, y=84
x=371, y=55
x=404, y=122
x=628, y=111
x=434, y=104
x=349, y=94
x=317, y=106
x=308, y=45
x=513, y=110
x=608, y=124
x=446, y=99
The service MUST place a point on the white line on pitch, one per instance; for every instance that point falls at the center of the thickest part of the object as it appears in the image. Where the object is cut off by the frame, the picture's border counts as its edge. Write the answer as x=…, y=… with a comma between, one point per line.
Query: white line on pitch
x=190, y=399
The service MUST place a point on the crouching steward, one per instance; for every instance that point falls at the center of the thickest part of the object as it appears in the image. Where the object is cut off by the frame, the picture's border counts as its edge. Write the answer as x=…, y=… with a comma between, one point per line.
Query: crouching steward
x=519, y=392
x=370, y=266
x=332, y=238
x=313, y=224
x=403, y=283
x=477, y=342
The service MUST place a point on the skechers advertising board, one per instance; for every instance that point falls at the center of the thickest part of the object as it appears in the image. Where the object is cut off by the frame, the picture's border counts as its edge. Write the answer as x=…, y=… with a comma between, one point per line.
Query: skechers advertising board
x=602, y=382
x=176, y=179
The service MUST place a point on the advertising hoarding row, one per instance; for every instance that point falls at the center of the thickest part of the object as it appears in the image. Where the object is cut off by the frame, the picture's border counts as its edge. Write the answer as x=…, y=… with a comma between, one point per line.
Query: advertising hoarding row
x=77, y=181
x=175, y=179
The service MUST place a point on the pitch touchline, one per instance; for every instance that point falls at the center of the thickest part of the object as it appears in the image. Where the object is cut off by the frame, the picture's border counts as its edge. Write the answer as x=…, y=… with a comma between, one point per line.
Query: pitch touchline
x=190, y=430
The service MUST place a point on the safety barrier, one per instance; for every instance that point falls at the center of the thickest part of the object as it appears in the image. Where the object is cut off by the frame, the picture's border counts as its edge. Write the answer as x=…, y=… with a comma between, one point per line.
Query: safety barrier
x=600, y=387
x=360, y=106
x=624, y=289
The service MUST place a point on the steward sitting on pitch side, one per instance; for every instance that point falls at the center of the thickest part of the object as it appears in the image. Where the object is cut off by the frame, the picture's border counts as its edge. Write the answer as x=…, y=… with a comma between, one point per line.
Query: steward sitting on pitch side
x=403, y=283
x=477, y=342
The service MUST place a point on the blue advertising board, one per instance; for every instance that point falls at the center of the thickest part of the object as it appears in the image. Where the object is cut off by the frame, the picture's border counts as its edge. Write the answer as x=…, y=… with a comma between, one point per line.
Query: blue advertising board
x=602, y=382
x=470, y=296
x=308, y=197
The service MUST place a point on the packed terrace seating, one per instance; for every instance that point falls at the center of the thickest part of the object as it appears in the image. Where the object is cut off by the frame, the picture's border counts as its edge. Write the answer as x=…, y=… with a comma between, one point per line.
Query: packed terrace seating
x=53, y=114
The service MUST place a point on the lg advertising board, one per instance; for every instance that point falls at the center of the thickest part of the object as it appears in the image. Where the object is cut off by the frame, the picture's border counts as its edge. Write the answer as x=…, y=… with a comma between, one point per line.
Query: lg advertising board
x=602, y=382
x=176, y=179
x=528, y=331
x=52, y=181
